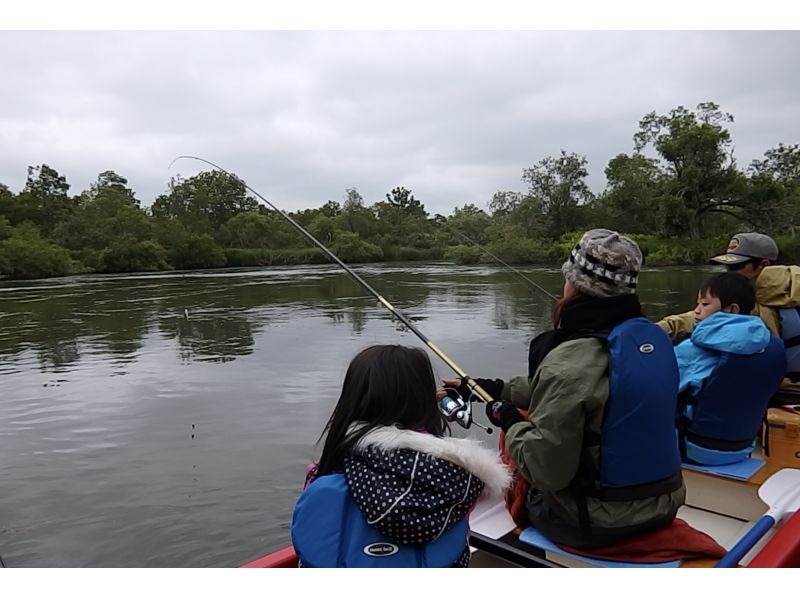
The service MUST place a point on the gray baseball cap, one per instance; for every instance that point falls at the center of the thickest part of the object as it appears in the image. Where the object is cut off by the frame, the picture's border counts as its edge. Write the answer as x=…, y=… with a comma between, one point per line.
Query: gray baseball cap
x=745, y=246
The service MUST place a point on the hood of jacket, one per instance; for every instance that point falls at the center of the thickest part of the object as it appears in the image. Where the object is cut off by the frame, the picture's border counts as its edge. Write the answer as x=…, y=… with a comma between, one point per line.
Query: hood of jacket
x=731, y=333
x=414, y=486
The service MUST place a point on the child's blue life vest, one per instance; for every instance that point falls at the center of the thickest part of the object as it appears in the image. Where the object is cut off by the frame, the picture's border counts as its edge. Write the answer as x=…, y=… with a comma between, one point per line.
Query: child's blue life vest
x=790, y=333
x=719, y=426
x=328, y=530
x=639, y=454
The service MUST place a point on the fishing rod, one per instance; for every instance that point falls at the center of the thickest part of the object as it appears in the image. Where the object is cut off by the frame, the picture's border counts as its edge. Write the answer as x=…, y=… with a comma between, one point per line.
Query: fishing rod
x=490, y=254
x=461, y=412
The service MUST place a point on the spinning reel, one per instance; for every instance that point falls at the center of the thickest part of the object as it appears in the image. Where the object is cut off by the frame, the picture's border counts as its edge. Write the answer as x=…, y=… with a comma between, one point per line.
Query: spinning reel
x=459, y=410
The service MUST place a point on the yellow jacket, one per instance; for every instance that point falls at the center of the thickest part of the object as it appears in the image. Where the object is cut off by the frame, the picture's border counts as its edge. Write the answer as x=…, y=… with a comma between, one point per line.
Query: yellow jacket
x=776, y=287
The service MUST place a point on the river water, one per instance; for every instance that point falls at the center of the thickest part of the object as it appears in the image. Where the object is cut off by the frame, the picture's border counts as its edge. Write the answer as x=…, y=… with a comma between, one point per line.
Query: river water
x=166, y=420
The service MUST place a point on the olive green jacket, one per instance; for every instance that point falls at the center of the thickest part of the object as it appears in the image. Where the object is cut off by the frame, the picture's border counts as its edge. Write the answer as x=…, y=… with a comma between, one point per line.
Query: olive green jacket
x=776, y=287
x=565, y=399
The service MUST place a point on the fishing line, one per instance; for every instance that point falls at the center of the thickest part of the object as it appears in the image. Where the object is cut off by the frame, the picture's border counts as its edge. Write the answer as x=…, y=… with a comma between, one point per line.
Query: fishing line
x=474, y=386
x=489, y=253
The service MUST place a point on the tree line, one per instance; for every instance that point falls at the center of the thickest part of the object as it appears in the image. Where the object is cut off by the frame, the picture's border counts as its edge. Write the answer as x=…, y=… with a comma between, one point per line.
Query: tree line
x=679, y=193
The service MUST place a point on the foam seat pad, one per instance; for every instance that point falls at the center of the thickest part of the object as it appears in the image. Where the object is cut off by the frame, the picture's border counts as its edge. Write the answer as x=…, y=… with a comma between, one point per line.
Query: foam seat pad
x=533, y=537
x=743, y=470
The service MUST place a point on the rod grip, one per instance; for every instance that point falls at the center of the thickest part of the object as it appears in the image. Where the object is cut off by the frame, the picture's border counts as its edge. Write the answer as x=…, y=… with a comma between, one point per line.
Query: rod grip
x=480, y=391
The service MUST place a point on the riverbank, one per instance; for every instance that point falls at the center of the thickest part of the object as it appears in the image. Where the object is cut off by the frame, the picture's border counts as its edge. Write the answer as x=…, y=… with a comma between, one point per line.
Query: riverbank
x=53, y=261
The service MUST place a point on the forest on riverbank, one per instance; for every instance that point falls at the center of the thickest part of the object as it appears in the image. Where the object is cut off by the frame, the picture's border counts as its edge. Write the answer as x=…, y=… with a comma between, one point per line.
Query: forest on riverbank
x=679, y=193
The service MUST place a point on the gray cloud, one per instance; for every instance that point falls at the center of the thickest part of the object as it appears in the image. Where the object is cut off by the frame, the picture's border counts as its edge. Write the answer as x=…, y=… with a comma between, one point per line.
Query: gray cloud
x=453, y=116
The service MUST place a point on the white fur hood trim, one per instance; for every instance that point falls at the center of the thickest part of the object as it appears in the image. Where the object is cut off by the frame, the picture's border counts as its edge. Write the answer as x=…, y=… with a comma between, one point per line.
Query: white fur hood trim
x=471, y=455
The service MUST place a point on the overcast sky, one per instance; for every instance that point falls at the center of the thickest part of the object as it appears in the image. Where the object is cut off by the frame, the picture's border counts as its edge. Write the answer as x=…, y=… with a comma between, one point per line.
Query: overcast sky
x=452, y=115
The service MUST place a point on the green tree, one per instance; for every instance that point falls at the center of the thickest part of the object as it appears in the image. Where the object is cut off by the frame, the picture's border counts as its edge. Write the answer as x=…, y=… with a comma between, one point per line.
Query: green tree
x=25, y=254
x=44, y=200
x=773, y=190
x=246, y=230
x=6, y=230
x=504, y=203
x=558, y=186
x=696, y=153
x=348, y=247
x=331, y=209
x=204, y=202
x=324, y=229
x=126, y=254
x=529, y=216
x=11, y=207
x=403, y=199
x=110, y=181
x=194, y=251
x=781, y=163
x=402, y=222
x=355, y=217
x=472, y=222
x=633, y=196
x=104, y=214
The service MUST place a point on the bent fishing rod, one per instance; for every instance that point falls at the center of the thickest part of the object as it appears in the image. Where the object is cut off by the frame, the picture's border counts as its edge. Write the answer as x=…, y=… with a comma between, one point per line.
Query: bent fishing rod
x=453, y=408
x=490, y=254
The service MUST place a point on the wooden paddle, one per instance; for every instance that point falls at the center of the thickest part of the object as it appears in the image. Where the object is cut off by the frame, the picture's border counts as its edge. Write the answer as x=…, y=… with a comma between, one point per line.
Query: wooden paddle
x=781, y=492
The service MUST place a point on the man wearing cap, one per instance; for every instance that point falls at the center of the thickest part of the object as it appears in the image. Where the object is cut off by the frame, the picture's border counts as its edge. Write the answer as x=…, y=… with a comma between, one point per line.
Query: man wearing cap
x=777, y=287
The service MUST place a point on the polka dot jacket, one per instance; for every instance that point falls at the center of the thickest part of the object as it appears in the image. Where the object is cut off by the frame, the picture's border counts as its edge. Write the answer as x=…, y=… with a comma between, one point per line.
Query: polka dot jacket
x=414, y=486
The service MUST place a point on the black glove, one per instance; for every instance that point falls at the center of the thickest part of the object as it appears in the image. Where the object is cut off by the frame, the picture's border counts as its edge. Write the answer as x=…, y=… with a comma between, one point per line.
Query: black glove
x=493, y=387
x=503, y=414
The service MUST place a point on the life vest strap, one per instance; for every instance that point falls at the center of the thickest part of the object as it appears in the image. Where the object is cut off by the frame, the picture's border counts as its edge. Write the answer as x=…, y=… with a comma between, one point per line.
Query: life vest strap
x=719, y=445
x=641, y=491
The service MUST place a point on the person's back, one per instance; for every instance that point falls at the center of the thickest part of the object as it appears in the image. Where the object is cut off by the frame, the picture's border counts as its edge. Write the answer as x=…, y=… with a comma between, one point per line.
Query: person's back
x=390, y=490
x=729, y=369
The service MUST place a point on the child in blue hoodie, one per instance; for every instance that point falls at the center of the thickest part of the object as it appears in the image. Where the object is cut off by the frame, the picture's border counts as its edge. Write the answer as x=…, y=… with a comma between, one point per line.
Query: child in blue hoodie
x=729, y=368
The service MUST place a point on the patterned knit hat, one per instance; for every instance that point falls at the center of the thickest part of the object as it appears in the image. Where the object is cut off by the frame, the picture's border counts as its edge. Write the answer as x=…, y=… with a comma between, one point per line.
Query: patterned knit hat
x=603, y=264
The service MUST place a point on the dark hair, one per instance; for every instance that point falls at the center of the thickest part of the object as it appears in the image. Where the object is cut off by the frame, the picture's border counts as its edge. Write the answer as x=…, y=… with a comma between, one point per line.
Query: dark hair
x=384, y=385
x=731, y=288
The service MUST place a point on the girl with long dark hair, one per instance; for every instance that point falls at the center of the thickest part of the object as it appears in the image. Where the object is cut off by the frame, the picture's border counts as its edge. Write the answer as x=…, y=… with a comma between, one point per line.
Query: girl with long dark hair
x=391, y=489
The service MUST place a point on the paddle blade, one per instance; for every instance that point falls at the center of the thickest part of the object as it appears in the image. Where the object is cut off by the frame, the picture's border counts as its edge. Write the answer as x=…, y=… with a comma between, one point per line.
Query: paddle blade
x=779, y=486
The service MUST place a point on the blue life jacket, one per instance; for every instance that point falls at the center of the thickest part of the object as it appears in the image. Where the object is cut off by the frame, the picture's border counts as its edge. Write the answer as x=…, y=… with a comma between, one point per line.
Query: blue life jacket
x=638, y=443
x=720, y=425
x=328, y=530
x=790, y=333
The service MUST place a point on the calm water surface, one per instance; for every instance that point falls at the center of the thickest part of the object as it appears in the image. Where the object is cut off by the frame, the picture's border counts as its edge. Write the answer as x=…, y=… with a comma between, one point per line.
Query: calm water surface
x=166, y=420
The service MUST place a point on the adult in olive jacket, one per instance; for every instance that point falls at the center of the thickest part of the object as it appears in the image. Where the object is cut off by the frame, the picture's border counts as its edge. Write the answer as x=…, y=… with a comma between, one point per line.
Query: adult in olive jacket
x=565, y=395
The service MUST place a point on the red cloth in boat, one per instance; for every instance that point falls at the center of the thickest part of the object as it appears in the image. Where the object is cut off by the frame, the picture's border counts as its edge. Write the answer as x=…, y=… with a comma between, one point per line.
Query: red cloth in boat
x=678, y=541
x=517, y=492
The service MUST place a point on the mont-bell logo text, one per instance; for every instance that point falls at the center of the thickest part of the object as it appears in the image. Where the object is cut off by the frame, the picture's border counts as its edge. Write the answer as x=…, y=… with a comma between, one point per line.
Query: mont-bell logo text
x=380, y=549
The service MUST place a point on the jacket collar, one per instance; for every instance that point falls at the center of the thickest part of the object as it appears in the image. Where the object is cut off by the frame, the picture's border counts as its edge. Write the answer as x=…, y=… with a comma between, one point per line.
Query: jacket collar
x=469, y=454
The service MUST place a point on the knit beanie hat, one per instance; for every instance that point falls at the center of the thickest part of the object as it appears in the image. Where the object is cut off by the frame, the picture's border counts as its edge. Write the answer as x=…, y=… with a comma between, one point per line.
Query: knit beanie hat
x=603, y=264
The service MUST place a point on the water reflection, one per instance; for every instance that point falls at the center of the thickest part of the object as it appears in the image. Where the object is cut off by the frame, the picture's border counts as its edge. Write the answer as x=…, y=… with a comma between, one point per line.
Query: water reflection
x=217, y=318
